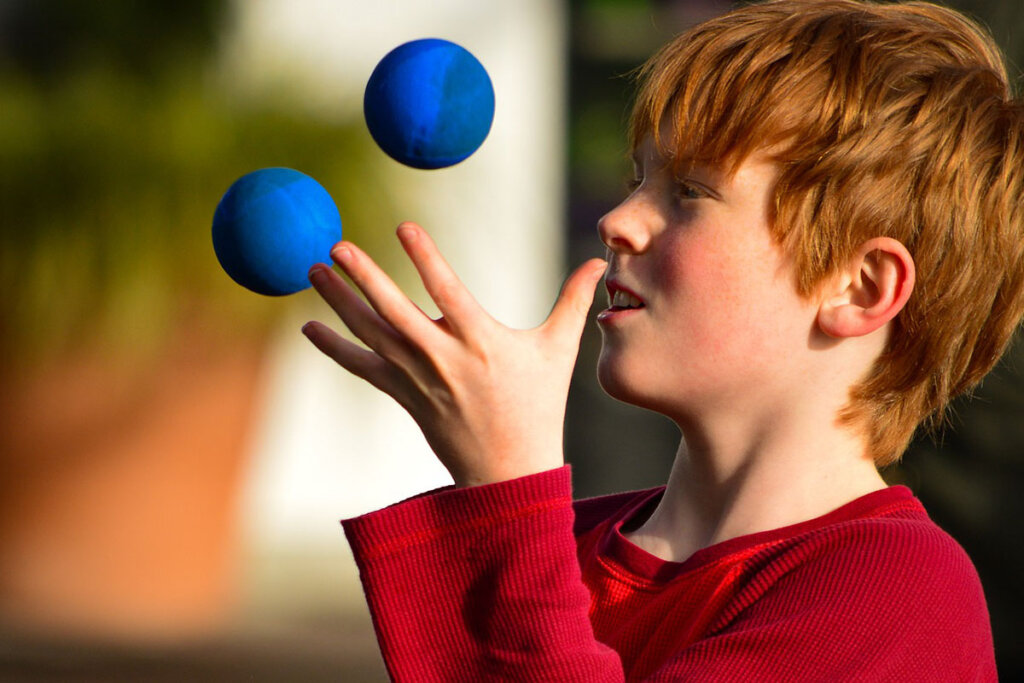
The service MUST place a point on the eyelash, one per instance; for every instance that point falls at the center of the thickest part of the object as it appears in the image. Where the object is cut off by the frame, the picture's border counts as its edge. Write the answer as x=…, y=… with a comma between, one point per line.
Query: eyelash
x=683, y=189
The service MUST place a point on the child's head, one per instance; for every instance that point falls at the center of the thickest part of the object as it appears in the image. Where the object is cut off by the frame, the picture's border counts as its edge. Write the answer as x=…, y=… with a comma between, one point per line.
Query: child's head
x=886, y=121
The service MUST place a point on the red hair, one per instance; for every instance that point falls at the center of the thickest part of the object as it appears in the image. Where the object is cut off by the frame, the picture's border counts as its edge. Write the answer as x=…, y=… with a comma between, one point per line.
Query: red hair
x=886, y=120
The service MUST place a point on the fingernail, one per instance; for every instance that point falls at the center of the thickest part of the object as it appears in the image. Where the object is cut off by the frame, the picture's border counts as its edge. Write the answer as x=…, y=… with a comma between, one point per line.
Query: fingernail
x=342, y=255
x=307, y=329
x=316, y=272
x=406, y=234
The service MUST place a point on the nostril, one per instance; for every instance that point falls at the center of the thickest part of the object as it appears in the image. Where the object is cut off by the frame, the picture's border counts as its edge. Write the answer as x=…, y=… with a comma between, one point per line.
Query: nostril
x=612, y=236
x=619, y=242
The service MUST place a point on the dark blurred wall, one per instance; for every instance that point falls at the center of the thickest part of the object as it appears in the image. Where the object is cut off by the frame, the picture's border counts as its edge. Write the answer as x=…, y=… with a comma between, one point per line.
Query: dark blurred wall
x=616, y=446
x=970, y=478
x=48, y=40
x=969, y=482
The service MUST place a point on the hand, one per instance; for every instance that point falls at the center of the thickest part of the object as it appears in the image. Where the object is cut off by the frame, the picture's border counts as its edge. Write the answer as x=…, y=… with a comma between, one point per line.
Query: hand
x=490, y=400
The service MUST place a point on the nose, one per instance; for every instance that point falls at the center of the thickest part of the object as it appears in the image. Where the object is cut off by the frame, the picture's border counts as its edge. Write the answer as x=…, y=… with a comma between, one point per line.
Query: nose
x=627, y=228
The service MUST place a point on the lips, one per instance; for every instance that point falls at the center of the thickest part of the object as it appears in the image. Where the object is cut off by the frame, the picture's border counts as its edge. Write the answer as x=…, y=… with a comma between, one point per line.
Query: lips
x=623, y=303
x=621, y=297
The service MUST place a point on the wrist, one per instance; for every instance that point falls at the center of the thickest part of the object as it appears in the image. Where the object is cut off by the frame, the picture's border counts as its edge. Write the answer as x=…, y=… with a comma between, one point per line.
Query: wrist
x=472, y=478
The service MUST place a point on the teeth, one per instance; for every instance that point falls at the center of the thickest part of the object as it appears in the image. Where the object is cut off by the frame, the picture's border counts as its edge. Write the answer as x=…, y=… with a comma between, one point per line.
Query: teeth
x=623, y=299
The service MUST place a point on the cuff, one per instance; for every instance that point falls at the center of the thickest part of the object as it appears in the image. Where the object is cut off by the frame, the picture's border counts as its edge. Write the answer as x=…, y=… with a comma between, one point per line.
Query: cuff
x=429, y=516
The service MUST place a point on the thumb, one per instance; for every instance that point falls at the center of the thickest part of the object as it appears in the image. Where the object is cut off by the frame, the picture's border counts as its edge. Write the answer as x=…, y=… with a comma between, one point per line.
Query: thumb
x=569, y=314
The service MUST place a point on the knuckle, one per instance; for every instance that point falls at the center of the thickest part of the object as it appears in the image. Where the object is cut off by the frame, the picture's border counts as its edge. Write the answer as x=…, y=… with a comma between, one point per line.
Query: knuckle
x=445, y=292
x=392, y=351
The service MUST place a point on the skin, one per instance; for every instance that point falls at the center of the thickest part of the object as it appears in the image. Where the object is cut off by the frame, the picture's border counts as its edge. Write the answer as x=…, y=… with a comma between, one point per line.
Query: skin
x=752, y=375
x=489, y=399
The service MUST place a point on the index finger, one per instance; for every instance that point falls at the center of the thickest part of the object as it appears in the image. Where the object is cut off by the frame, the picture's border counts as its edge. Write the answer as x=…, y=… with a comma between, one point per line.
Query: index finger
x=386, y=298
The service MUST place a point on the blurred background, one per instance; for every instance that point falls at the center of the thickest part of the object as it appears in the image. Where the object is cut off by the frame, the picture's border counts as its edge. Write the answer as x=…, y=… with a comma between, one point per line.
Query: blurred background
x=174, y=456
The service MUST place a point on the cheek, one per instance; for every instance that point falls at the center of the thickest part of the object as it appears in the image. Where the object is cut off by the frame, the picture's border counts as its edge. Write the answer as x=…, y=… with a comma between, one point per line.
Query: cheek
x=715, y=287
x=699, y=257
x=705, y=276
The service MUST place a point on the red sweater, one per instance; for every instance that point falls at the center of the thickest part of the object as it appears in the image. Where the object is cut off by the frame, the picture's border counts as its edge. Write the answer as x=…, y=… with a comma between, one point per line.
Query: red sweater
x=498, y=583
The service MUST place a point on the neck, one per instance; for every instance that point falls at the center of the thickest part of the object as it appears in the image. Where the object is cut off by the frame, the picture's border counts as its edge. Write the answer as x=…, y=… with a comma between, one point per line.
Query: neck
x=728, y=487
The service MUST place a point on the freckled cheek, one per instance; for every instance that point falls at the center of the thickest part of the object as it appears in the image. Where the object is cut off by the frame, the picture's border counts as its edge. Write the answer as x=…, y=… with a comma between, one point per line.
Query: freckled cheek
x=700, y=276
x=710, y=293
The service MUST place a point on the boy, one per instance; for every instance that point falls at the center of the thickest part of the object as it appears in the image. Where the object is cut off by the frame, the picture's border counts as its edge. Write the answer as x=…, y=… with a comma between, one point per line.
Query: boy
x=823, y=246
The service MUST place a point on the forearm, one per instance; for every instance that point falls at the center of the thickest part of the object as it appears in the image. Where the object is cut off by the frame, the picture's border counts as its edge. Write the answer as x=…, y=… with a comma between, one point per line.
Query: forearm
x=481, y=583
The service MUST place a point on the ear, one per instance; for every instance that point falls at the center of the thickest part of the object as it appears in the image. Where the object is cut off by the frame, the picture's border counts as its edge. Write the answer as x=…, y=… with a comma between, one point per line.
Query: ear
x=870, y=291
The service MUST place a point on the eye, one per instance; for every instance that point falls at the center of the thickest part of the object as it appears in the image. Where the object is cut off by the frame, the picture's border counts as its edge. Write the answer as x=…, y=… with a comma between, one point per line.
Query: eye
x=632, y=184
x=687, y=190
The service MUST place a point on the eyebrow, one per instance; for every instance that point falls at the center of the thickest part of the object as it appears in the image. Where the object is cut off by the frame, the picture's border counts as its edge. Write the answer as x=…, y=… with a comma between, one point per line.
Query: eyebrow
x=688, y=162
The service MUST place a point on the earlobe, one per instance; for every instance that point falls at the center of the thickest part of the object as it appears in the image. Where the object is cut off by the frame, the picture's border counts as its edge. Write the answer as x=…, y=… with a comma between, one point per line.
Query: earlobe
x=870, y=292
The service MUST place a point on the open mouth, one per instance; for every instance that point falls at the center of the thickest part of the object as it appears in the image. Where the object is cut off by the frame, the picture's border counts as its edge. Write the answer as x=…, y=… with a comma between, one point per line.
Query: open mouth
x=622, y=300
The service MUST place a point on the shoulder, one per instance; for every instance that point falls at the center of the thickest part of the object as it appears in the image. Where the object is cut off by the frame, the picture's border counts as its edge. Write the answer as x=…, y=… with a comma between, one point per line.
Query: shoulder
x=893, y=594
x=910, y=549
x=899, y=586
x=903, y=559
x=876, y=598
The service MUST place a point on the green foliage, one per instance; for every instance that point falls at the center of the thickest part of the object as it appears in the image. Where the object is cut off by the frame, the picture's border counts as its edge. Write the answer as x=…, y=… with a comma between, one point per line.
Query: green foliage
x=108, y=184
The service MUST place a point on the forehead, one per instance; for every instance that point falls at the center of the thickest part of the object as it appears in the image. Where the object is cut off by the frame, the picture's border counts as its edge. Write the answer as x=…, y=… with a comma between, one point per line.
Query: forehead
x=761, y=164
x=652, y=153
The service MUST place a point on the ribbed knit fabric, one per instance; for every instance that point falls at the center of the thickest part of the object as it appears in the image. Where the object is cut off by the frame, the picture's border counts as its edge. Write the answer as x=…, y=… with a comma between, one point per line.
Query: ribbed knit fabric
x=498, y=583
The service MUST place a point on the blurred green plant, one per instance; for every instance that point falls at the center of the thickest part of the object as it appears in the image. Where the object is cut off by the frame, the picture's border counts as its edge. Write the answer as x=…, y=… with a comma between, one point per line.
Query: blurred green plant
x=110, y=171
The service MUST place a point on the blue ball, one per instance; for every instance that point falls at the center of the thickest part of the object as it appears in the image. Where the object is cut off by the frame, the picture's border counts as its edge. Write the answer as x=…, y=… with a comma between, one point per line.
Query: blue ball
x=429, y=103
x=271, y=226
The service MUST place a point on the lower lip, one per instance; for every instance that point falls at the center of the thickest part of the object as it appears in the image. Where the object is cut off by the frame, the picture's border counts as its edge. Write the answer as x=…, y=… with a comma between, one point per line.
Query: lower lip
x=612, y=315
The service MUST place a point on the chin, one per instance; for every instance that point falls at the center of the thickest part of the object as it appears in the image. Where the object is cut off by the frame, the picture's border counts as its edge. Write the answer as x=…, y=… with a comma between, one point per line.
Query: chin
x=617, y=381
x=632, y=385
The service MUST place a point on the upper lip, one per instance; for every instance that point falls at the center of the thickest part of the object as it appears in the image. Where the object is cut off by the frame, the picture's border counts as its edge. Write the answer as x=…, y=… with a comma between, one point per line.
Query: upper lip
x=613, y=285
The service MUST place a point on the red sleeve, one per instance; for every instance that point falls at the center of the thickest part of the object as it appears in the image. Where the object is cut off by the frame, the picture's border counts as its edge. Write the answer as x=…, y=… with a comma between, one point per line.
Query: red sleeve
x=481, y=584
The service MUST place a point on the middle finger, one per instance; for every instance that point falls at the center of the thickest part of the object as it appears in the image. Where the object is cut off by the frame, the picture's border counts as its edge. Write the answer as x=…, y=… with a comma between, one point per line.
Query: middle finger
x=386, y=298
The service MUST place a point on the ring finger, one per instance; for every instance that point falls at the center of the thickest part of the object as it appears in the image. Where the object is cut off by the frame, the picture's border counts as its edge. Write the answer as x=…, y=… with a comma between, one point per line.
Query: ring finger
x=358, y=317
